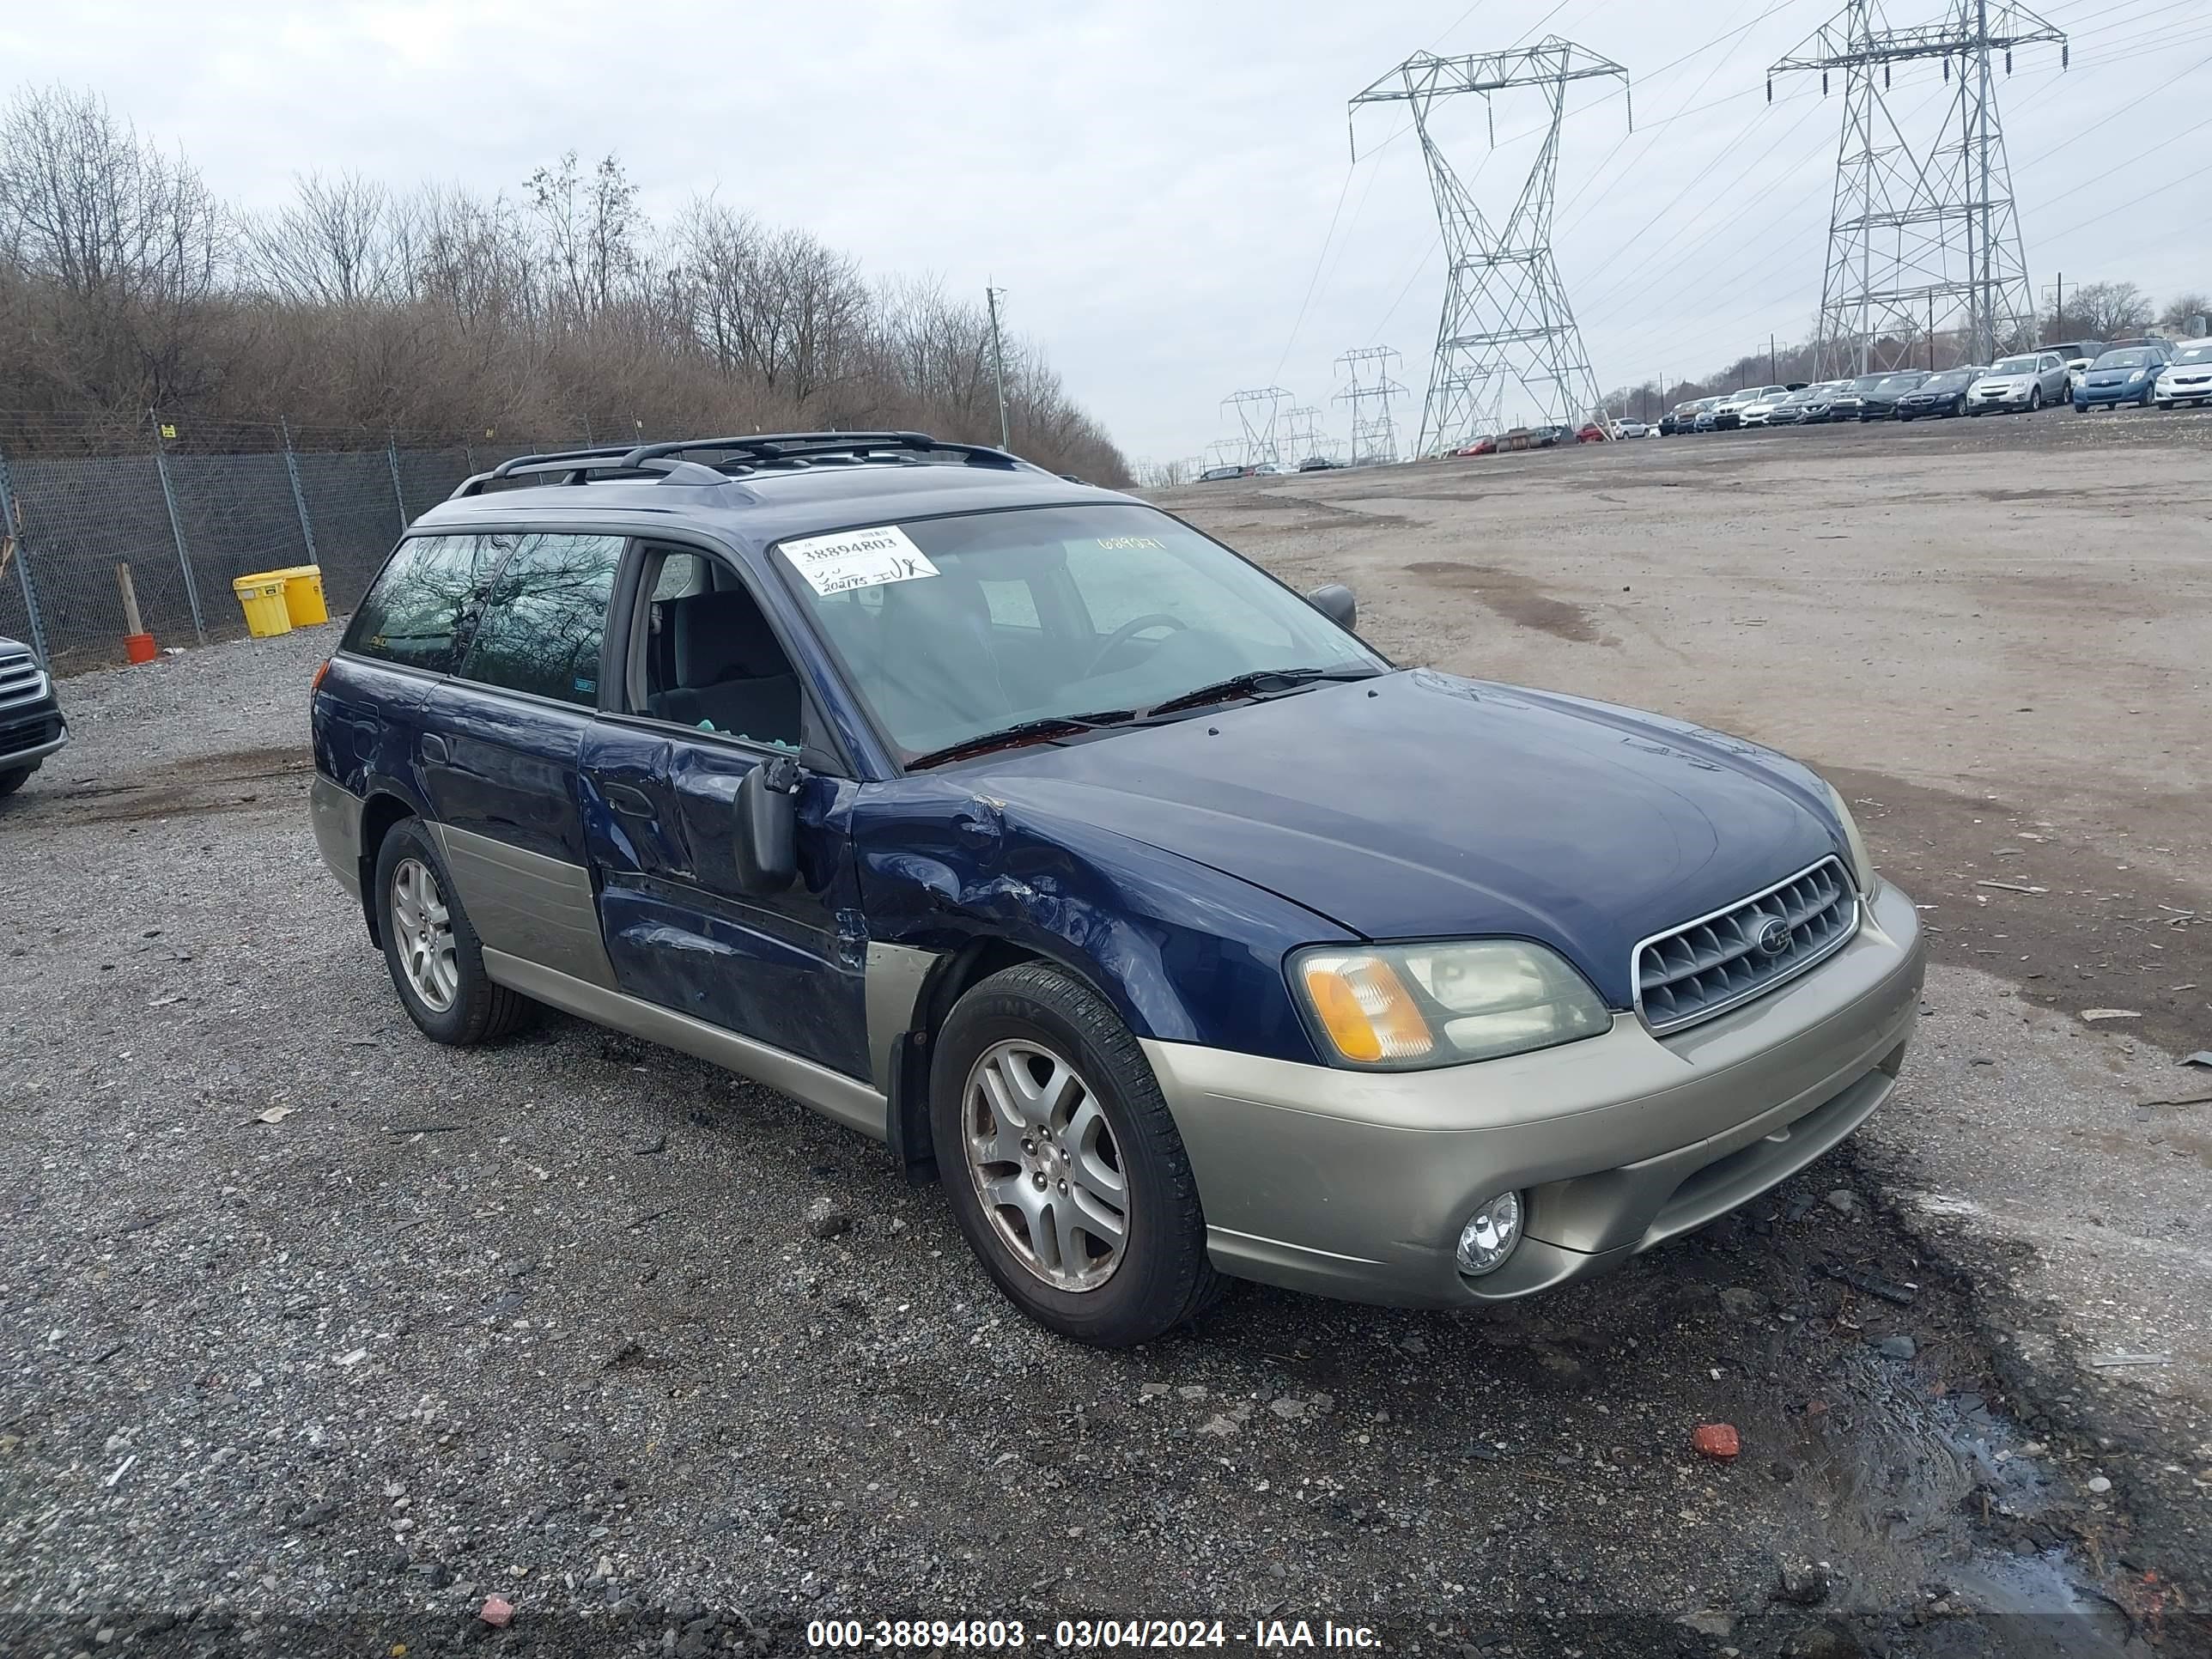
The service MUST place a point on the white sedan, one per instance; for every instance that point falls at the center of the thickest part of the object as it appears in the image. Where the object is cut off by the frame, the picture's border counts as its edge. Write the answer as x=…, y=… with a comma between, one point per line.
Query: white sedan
x=2187, y=377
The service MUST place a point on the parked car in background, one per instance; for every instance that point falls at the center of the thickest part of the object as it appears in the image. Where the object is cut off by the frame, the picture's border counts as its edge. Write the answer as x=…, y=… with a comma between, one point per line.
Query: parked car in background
x=1760, y=410
x=1592, y=432
x=1317, y=463
x=1796, y=409
x=1216, y=474
x=1878, y=401
x=2187, y=377
x=1727, y=415
x=2025, y=380
x=2079, y=355
x=1845, y=402
x=1484, y=445
x=1939, y=395
x=1020, y=828
x=1632, y=429
x=31, y=723
x=1682, y=417
x=2124, y=374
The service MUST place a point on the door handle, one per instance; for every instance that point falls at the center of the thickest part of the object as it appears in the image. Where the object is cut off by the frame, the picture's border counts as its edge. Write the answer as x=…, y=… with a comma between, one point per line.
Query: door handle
x=434, y=747
x=631, y=803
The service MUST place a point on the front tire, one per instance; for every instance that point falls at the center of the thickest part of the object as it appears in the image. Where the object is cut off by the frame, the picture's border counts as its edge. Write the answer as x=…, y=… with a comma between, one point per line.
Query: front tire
x=1062, y=1163
x=435, y=957
x=10, y=782
x=2034, y=398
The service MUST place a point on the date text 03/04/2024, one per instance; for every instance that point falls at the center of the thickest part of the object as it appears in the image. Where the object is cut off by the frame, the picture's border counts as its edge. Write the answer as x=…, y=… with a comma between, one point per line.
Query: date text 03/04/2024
x=1265, y=1635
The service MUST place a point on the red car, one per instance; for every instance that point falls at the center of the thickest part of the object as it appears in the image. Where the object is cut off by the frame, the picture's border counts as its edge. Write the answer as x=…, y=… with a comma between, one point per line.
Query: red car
x=1592, y=432
x=1479, y=447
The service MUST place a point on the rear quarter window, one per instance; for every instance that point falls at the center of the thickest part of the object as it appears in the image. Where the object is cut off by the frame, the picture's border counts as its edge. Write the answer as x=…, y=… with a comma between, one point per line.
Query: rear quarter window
x=420, y=603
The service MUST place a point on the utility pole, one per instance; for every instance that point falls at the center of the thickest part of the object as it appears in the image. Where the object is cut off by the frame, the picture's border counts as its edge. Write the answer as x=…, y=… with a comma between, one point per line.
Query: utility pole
x=998, y=363
x=1901, y=206
x=1505, y=315
x=1770, y=365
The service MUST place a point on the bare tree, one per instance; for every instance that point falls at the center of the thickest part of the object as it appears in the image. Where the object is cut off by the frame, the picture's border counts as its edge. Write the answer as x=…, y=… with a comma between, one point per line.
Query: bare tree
x=343, y=241
x=2185, y=308
x=124, y=244
x=2108, y=311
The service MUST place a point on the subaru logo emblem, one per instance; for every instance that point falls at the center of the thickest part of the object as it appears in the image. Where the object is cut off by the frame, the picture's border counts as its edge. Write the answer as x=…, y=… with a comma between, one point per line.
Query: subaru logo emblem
x=1773, y=939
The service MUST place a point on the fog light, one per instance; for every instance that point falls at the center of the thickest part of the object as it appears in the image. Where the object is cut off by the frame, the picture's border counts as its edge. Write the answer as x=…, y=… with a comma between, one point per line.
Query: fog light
x=1489, y=1235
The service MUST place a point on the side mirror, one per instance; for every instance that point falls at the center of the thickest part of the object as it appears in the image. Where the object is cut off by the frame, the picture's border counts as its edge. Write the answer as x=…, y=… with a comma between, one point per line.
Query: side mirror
x=767, y=825
x=1334, y=601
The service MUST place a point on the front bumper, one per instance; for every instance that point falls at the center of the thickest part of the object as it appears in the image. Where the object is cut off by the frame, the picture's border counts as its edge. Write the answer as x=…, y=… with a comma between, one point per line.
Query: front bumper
x=30, y=734
x=2175, y=391
x=1356, y=1184
x=2089, y=397
x=1978, y=402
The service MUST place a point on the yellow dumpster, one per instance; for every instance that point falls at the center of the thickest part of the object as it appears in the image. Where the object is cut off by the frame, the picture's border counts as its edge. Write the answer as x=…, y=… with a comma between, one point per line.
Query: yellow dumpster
x=261, y=596
x=303, y=594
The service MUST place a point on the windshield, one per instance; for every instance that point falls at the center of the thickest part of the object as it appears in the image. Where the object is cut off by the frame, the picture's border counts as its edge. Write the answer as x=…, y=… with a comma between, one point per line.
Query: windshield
x=1866, y=382
x=2018, y=365
x=951, y=629
x=2133, y=357
x=1747, y=394
x=1896, y=383
x=2193, y=354
x=1949, y=380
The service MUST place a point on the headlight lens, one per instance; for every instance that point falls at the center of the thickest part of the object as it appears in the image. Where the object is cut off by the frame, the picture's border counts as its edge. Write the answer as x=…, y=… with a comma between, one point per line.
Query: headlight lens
x=1861, y=866
x=1404, y=1007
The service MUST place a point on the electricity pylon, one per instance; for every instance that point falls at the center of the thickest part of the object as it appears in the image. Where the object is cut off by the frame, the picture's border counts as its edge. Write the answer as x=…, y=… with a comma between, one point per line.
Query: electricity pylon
x=1374, y=435
x=1301, y=434
x=1922, y=234
x=1257, y=413
x=1505, y=312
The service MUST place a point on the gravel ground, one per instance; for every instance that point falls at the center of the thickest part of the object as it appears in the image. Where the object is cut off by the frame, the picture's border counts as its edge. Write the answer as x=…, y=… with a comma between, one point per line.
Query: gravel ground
x=548, y=1321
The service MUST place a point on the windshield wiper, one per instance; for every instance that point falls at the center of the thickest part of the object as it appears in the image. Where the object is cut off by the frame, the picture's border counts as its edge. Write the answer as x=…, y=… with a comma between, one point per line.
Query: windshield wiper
x=1036, y=731
x=1257, y=683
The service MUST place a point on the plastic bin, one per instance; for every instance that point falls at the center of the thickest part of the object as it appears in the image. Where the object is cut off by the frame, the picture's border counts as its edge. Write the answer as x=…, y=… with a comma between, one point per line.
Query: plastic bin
x=261, y=596
x=303, y=594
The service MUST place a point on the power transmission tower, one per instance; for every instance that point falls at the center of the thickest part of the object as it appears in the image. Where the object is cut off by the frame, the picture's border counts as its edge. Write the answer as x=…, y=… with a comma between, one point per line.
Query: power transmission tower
x=1373, y=434
x=1301, y=434
x=1257, y=413
x=1505, y=312
x=1923, y=230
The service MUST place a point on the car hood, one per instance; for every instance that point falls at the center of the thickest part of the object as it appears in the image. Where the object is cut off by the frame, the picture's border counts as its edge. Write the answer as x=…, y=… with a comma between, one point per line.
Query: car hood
x=2116, y=376
x=2002, y=382
x=1419, y=804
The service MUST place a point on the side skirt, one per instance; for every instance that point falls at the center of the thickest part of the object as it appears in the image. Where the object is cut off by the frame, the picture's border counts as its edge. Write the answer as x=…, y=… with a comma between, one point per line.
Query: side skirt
x=846, y=1100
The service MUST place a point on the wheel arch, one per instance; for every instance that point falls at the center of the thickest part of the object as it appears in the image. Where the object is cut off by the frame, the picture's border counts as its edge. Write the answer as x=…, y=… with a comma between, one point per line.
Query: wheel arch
x=380, y=814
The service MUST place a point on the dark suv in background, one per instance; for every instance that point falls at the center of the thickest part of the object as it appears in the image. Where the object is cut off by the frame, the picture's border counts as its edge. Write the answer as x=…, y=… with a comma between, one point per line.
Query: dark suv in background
x=31, y=723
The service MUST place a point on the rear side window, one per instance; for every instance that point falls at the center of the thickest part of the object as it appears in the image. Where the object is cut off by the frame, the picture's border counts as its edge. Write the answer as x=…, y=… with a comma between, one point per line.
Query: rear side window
x=544, y=618
x=419, y=605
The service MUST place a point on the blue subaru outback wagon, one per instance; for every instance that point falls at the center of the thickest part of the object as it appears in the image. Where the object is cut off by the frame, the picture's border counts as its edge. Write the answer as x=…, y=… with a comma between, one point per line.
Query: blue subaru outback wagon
x=1021, y=826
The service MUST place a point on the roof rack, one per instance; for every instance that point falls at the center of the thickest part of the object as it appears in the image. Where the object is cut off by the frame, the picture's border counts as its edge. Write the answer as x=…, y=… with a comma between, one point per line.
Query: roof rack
x=753, y=453
x=803, y=448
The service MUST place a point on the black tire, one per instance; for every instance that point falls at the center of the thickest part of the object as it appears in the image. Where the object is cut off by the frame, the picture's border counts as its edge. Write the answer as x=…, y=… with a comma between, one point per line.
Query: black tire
x=13, y=780
x=480, y=1011
x=1163, y=1278
x=2034, y=398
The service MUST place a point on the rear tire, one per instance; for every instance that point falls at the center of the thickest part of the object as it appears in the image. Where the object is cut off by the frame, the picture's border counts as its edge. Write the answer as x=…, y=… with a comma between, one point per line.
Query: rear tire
x=1097, y=1118
x=430, y=948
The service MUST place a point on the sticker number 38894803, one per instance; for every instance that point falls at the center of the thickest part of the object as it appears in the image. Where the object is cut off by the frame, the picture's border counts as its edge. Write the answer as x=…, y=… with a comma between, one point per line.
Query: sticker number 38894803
x=858, y=558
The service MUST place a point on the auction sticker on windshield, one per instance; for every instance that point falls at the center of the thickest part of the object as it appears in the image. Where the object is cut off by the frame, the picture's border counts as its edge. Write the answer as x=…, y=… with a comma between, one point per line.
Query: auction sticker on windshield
x=857, y=558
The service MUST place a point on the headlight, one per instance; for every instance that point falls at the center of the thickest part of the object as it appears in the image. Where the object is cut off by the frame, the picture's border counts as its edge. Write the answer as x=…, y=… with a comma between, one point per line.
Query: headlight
x=1861, y=866
x=1406, y=1007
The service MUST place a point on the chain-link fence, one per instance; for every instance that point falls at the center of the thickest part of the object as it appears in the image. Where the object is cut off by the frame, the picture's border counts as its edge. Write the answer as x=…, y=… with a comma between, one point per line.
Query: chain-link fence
x=193, y=508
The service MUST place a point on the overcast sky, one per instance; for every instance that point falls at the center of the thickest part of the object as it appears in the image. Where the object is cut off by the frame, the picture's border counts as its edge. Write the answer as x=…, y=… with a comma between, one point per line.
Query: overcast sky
x=1154, y=184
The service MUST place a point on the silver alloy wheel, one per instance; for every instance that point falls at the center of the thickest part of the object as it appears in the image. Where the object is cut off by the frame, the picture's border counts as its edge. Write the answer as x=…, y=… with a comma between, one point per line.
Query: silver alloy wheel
x=422, y=929
x=1045, y=1166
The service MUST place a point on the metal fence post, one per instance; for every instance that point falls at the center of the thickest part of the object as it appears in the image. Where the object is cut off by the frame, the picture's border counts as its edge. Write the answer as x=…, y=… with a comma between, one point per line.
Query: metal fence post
x=392, y=454
x=299, y=495
x=177, y=530
x=11, y=520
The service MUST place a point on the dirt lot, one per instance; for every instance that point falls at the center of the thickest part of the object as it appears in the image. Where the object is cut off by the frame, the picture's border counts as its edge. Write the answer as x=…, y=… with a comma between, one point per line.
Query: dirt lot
x=547, y=1319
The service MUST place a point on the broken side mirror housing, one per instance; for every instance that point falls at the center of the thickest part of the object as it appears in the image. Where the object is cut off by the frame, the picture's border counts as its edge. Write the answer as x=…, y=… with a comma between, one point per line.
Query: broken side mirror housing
x=1334, y=601
x=767, y=825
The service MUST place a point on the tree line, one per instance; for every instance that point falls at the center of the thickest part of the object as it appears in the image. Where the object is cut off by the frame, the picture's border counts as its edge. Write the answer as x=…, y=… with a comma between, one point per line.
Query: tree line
x=561, y=308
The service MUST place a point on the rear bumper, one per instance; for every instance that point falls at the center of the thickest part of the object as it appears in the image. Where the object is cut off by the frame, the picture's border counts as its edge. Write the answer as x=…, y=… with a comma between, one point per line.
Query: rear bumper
x=1356, y=1184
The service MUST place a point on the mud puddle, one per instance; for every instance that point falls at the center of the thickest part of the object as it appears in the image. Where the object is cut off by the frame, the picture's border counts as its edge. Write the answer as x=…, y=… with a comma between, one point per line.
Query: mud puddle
x=212, y=784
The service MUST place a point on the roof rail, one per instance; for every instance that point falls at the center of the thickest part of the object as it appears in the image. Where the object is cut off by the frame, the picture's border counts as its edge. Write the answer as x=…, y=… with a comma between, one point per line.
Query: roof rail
x=581, y=466
x=799, y=448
